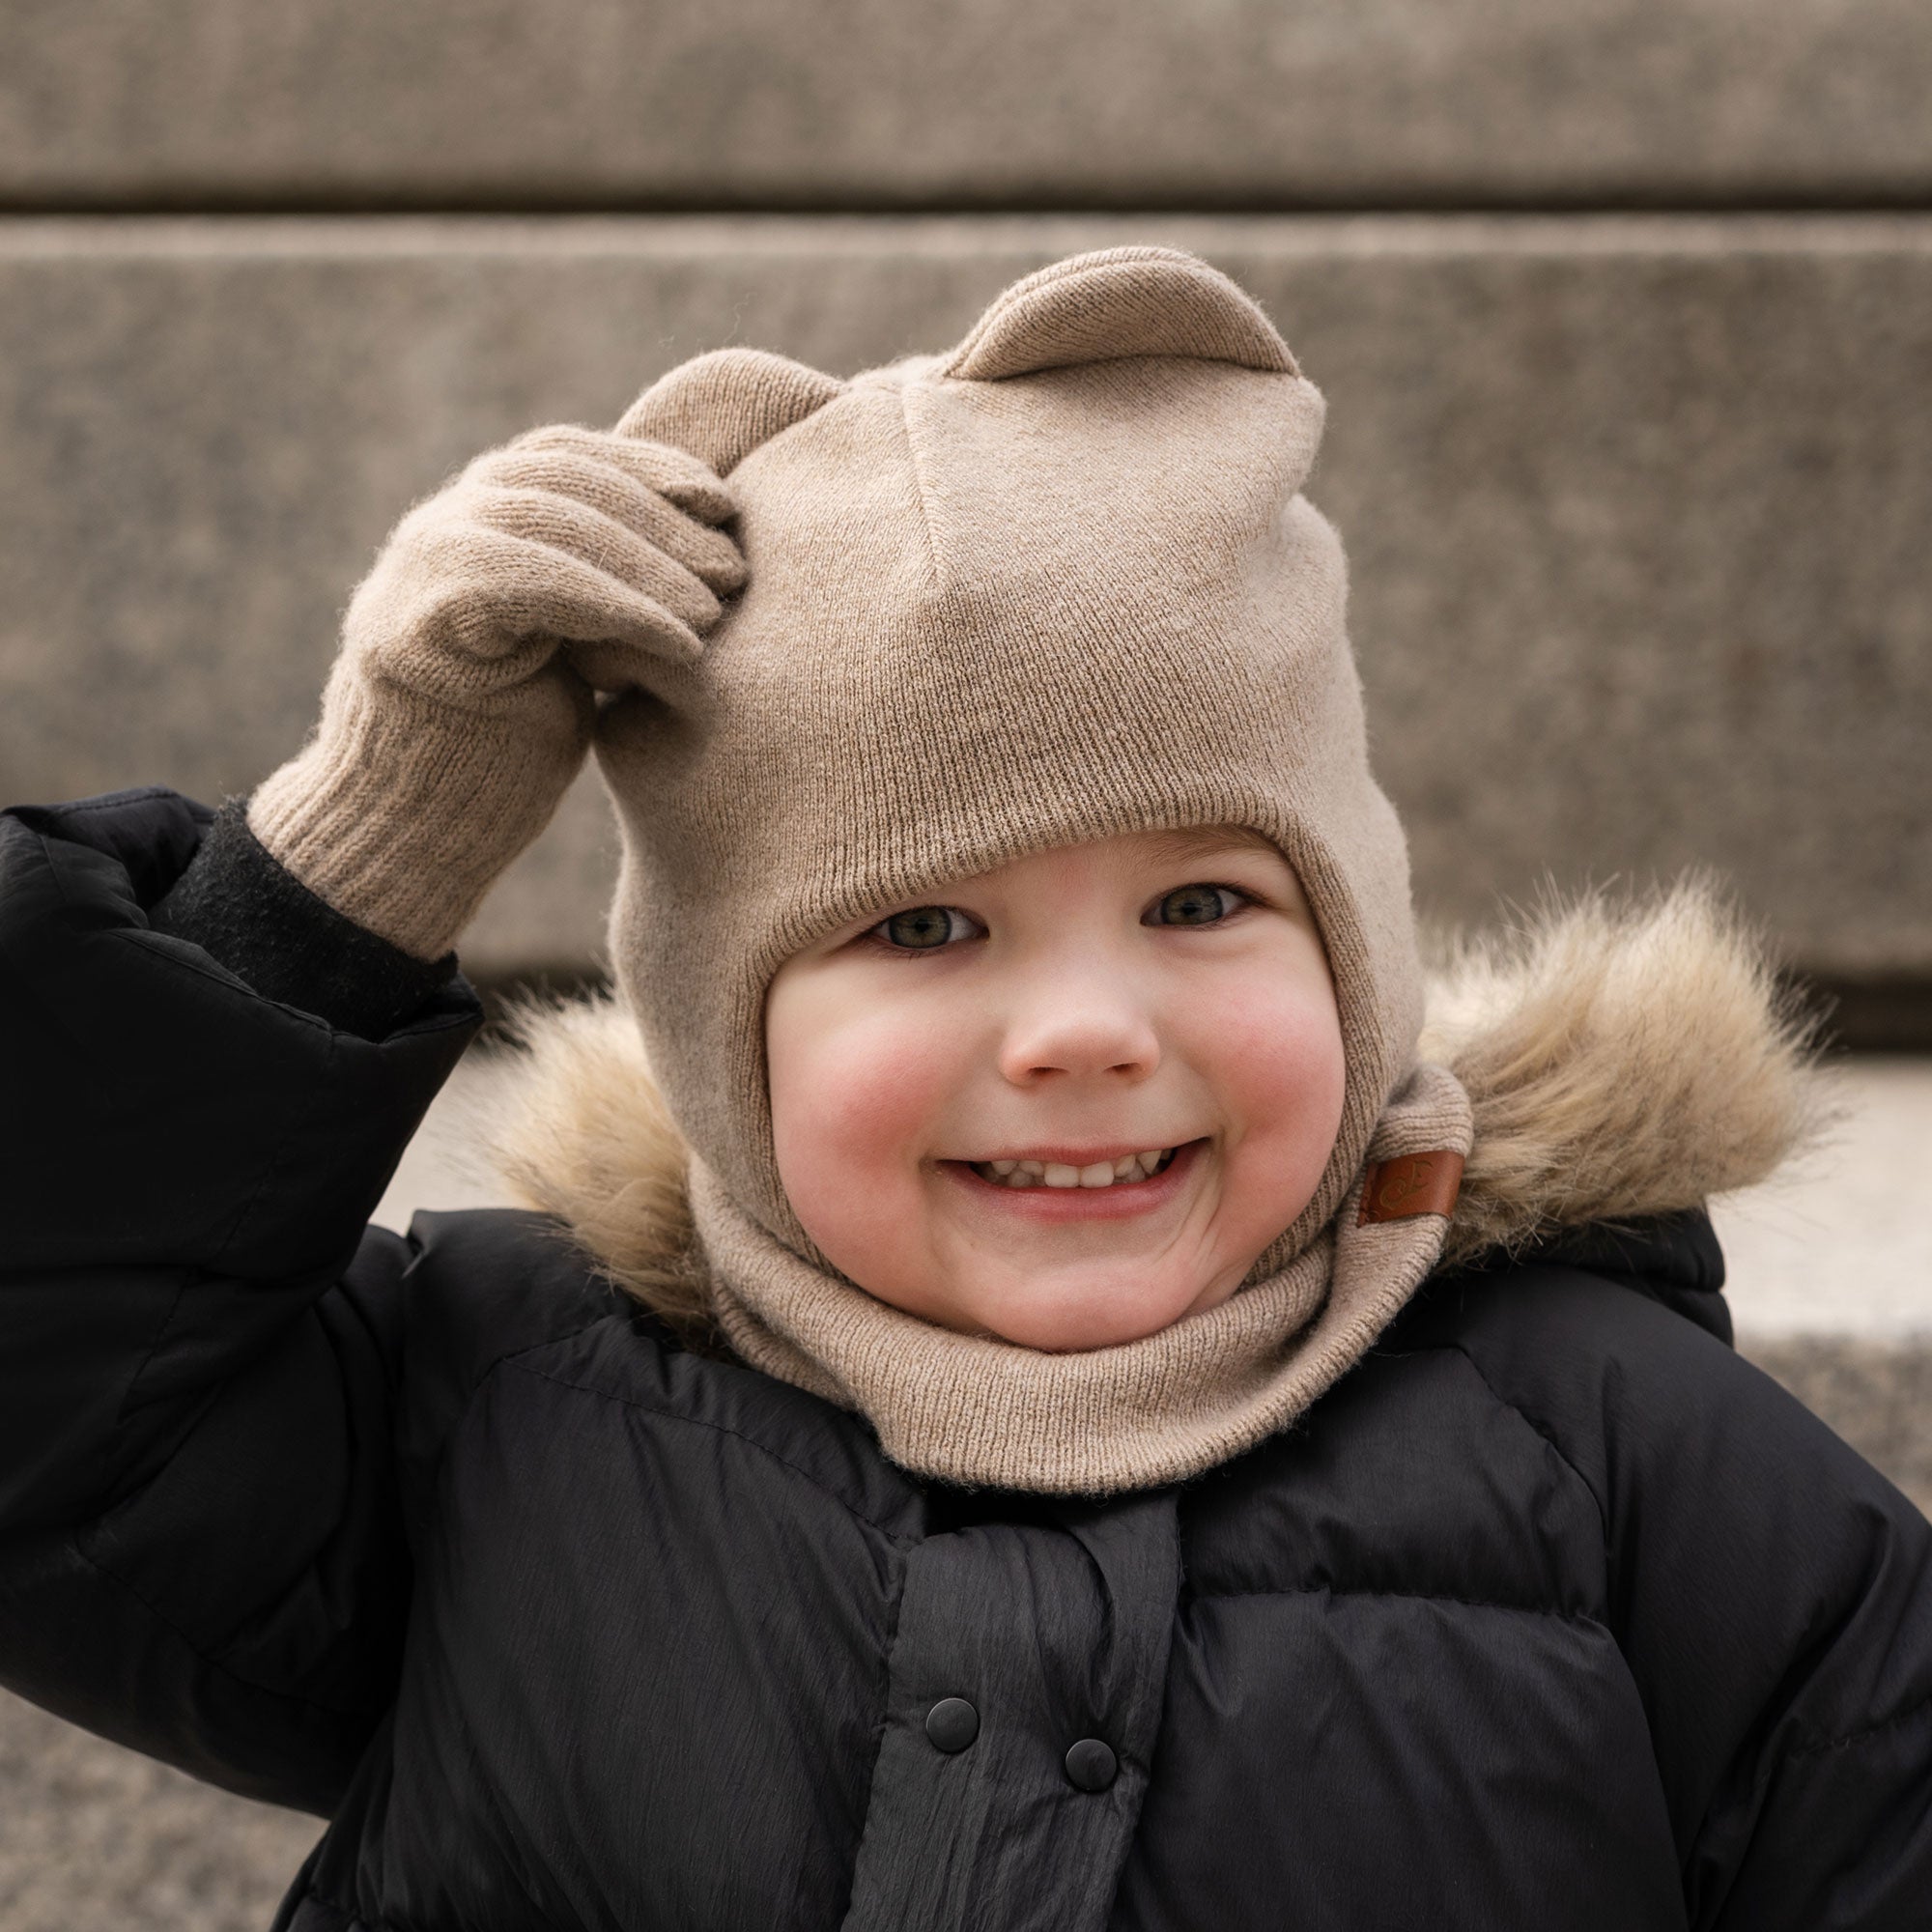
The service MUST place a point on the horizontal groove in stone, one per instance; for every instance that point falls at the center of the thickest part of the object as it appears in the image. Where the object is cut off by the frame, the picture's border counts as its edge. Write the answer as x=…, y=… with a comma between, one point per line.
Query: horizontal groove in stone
x=520, y=201
x=1634, y=505
x=779, y=238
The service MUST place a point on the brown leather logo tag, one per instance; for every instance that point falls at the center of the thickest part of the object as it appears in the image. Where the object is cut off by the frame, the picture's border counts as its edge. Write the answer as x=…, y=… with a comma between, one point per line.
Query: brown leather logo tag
x=1412, y=1184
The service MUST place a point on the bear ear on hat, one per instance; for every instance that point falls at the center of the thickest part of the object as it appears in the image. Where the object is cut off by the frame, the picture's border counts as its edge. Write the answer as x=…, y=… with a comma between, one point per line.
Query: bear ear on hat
x=1117, y=302
x=722, y=406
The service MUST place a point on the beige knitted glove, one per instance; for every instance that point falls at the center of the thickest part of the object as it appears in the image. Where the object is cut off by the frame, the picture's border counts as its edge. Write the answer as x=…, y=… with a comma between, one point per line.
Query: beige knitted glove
x=458, y=713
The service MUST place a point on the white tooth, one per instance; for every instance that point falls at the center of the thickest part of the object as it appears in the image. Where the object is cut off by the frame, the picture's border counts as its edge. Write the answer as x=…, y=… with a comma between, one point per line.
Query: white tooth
x=1020, y=1178
x=1003, y=1168
x=1100, y=1175
x=1032, y=1169
x=1128, y=1167
x=1057, y=1174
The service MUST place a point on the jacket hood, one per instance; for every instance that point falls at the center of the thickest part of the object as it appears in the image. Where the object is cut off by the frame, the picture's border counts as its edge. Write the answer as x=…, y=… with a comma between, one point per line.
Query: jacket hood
x=1624, y=1059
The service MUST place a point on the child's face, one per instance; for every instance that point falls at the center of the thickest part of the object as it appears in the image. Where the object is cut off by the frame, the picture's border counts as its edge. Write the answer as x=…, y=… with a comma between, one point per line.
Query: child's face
x=1163, y=995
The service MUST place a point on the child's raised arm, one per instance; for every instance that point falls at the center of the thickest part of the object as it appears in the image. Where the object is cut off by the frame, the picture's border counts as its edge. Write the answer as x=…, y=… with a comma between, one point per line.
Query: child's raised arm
x=220, y=1032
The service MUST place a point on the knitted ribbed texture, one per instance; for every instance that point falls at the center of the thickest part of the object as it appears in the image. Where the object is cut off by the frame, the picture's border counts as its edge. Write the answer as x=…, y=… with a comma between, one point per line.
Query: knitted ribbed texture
x=976, y=1410
x=1058, y=586
x=452, y=723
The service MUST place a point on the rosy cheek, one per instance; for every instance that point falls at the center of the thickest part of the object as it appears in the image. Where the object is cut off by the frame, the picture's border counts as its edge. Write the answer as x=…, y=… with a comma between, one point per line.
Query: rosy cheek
x=854, y=1106
x=1278, y=1064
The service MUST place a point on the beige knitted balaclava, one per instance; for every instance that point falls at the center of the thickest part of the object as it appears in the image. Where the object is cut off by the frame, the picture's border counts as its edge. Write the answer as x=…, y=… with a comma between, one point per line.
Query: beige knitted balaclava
x=1055, y=585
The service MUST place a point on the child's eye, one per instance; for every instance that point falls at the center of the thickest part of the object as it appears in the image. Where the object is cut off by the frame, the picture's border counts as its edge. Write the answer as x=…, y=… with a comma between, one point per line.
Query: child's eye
x=1194, y=906
x=926, y=928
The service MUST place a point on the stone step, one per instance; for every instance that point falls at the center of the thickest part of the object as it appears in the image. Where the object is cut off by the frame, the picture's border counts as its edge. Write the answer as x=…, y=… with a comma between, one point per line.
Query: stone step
x=733, y=102
x=1829, y=1268
x=1635, y=506
x=1876, y=1395
x=93, y=1837
x=1838, y=1244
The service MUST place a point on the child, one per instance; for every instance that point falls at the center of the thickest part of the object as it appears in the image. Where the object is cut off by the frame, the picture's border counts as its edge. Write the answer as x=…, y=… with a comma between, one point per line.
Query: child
x=1106, y=1428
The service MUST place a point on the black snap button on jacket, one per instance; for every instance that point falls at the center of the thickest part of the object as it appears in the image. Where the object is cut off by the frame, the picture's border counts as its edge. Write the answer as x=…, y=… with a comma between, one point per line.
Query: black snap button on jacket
x=1091, y=1765
x=952, y=1724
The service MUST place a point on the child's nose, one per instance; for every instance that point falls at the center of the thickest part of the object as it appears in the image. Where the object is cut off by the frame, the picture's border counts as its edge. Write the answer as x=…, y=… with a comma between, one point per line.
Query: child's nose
x=1080, y=1031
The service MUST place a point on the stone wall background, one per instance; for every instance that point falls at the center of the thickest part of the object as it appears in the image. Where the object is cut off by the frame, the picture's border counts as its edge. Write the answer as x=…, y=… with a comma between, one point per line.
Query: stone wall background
x=1623, y=312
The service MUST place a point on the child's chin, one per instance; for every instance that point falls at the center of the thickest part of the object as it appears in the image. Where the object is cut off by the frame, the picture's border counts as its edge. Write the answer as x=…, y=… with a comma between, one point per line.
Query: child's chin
x=1075, y=1321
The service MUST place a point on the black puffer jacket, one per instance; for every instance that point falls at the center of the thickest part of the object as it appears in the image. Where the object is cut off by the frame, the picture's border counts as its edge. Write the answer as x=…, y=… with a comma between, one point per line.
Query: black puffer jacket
x=1554, y=1614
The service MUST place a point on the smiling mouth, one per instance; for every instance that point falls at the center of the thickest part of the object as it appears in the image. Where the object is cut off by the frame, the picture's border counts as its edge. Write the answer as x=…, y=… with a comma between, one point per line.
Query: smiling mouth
x=1122, y=1172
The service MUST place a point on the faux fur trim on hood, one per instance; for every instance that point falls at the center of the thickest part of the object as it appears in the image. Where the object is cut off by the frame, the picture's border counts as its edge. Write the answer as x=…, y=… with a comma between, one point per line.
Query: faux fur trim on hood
x=1624, y=1058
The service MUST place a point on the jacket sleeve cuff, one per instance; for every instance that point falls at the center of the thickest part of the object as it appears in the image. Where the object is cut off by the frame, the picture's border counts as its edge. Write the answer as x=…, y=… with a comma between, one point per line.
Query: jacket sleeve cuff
x=240, y=1134
x=253, y=916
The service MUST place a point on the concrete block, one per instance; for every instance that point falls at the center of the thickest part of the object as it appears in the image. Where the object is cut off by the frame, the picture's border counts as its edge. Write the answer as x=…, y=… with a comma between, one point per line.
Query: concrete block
x=1876, y=1395
x=873, y=104
x=94, y=1836
x=1838, y=1242
x=1636, y=507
